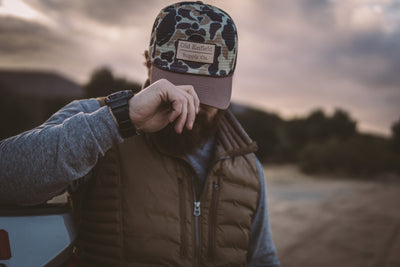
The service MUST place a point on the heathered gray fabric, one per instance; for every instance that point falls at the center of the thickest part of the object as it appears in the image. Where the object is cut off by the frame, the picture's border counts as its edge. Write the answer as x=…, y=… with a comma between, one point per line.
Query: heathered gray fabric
x=262, y=250
x=200, y=160
x=39, y=164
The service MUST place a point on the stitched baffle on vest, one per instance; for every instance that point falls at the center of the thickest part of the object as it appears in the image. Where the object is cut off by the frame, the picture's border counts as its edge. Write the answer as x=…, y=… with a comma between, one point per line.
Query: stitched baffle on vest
x=233, y=138
x=100, y=226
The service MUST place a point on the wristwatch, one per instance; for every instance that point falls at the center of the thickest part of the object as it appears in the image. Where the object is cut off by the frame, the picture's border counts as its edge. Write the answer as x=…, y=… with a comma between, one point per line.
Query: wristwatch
x=118, y=103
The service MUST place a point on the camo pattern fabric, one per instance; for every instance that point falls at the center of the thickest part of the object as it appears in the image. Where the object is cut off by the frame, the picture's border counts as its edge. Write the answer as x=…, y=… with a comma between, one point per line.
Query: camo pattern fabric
x=194, y=22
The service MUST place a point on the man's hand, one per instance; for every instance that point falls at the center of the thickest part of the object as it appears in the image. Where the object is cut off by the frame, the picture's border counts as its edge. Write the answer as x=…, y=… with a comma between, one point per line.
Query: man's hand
x=162, y=103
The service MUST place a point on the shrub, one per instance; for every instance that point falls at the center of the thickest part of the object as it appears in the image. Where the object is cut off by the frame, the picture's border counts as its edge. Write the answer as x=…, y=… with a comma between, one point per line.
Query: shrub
x=396, y=136
x=360, y=155
x=103, y=82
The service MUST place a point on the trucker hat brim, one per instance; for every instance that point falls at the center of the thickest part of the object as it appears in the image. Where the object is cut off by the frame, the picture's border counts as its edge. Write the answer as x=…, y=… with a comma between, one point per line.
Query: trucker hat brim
x=212, y=91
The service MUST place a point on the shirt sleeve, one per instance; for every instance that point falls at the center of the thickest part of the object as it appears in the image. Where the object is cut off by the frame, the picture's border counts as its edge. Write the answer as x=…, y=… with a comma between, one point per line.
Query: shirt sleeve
x=262, y=252
x=38, y=164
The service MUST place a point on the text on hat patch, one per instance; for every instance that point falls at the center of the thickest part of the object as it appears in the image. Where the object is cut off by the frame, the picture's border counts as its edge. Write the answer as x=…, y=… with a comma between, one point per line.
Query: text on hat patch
x=197, y=52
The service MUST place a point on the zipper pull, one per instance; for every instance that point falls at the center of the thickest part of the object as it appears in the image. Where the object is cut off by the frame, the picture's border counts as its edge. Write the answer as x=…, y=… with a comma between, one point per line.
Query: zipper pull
x=197, y=209
x=216, y=185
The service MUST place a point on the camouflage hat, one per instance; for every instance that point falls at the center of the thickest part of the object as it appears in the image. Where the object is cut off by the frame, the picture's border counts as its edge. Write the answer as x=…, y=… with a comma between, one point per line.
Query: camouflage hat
x=195, y=43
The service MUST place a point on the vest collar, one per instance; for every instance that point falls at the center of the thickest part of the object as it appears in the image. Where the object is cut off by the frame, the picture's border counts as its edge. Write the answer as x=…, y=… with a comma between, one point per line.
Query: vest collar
x=231, y=140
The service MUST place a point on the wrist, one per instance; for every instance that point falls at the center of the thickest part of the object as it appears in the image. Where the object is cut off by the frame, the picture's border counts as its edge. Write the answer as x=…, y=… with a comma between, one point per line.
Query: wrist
x=113, y=117
x=134, y=112
x=118, y=104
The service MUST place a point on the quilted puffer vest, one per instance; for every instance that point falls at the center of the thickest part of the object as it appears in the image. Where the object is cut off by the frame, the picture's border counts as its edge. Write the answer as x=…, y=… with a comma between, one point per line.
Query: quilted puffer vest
x=142, y=207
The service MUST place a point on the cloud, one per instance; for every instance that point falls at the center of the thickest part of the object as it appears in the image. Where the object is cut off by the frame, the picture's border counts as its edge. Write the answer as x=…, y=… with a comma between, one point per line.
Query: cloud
x=110, y=13
x=364, y=43
x=30, y=45
x=373, y=59
x=19, y=35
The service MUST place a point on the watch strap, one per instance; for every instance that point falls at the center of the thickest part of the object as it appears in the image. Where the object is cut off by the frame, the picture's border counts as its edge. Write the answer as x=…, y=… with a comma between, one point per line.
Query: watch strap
x=119, y=105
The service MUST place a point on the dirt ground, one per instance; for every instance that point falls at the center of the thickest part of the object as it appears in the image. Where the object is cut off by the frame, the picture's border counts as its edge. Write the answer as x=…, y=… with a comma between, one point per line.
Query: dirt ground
x=324, y=222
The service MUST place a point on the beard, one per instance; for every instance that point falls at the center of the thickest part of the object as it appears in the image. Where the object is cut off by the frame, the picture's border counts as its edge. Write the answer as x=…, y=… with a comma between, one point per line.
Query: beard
x=189, y=140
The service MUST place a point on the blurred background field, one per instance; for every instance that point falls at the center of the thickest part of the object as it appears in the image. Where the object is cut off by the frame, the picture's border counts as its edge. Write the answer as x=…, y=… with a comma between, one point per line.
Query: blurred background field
x=333, y=221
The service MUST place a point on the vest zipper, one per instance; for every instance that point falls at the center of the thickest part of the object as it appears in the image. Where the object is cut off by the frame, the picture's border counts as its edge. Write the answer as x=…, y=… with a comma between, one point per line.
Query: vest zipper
x=196, y=213
x=197, y=210
x=213, y=221
x=182, y=213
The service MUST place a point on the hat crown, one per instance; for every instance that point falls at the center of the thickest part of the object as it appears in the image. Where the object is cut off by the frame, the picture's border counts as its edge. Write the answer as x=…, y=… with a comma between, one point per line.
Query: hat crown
x=194, y=38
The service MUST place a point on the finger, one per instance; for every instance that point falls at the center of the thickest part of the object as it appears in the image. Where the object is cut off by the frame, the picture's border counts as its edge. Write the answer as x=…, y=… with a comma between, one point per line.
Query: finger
x=191, y=109
x=180, y=123
x=190, y=89
x=191, y=116
x=191, y=96
x=176, y=111
x=176, y=100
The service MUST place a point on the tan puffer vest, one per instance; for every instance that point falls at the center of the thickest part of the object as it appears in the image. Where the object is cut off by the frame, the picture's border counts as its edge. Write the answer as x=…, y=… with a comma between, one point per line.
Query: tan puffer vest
x=139, y=208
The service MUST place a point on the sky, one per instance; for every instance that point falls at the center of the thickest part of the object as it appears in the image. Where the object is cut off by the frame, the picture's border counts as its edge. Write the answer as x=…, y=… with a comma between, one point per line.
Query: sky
x=294, y=55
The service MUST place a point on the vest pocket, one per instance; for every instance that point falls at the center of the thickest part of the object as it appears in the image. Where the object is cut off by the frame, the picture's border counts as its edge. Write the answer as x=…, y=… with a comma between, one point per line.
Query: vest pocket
x=213, y=221
x=182, y=214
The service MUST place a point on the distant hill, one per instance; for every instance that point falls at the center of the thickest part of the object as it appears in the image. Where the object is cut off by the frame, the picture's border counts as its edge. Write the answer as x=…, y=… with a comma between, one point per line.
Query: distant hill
x=39, y=84
x=28, y=98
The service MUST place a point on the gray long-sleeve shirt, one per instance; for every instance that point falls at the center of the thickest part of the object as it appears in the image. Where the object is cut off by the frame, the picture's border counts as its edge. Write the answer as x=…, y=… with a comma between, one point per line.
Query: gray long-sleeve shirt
x=39, y=164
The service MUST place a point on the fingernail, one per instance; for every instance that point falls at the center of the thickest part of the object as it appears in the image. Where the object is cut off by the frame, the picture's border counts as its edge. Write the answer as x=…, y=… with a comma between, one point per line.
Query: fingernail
x=197, y=110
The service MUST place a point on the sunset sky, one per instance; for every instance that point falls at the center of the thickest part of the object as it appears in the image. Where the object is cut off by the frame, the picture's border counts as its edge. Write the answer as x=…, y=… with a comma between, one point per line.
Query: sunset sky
x=294, y=55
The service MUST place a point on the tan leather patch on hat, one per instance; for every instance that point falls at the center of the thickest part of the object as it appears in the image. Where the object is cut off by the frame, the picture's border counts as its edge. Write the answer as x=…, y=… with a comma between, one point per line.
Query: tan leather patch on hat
x=197, y=52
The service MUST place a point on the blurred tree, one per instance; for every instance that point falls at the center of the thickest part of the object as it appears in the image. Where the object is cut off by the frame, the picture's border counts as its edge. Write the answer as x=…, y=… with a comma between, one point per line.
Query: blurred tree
x=396, y=136
x=304, y=130
x=281, y=141
x=341, y=125
x=14, y=116
x=264, y=128
x=317, y=127
x=102, y=82
x=361, y=155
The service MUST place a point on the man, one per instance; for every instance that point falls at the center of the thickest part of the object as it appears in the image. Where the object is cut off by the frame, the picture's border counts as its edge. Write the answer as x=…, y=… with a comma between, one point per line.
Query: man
x=186, y=191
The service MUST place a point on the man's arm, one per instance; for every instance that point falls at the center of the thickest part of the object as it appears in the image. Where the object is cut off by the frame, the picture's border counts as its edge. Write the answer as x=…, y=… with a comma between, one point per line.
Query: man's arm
x=39, y=164
x=262, y=252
